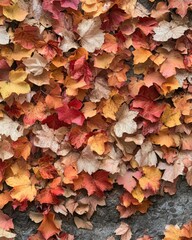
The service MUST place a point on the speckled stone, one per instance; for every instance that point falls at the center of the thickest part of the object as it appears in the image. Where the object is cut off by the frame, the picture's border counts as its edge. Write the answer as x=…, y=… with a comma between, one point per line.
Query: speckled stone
x=176, y=209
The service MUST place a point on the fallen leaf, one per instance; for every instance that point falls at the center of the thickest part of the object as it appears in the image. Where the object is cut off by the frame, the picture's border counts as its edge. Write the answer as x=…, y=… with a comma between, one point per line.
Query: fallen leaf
x=92, y=37
x=125, y=123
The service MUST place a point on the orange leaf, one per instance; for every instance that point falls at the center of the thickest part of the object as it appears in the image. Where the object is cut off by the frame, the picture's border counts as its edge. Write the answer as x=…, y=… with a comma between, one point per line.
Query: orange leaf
x=49, y=226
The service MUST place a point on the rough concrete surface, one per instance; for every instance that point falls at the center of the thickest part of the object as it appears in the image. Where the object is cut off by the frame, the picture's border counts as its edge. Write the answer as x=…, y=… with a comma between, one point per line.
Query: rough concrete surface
x=176, y=209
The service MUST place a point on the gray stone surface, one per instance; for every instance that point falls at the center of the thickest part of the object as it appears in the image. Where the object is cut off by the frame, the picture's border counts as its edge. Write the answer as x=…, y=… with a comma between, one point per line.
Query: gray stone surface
x=176, y=209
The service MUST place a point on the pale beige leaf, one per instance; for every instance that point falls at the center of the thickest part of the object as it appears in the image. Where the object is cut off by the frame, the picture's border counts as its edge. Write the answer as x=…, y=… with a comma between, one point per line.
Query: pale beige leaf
x=167, y=30
x=10, y=128
x=124, y=231
x=6, y=234
x=146, y=155
x=35, y=64
x=171, y=171
x=68, y=41
x=101, y=90
x=6, y=151
x=4, y=39
x=80, y=223
x=36, y=216
x=88, y=161
x=92, y=37
x=52, y=139
x=125, y=123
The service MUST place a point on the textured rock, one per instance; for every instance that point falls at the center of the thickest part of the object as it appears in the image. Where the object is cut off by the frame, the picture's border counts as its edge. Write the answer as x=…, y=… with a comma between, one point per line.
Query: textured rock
x=165, y=210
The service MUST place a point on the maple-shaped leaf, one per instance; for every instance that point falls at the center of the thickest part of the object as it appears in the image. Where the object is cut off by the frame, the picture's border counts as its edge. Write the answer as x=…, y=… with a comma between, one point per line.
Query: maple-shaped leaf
x=80, y=71
x=180, y=5
x=68, y=41
x=125, y=123
x=10, y=128
x=34, y=112
x=172, y=171
x=124, y=231
x=173, y=61
x=77, y=137
x=27, y=36
x=172, y=233
x=85, y=224
x=49, y=226
x=46, y=168
x=97, y=143
x=4, y=36
x=18, y=178
x=6, y=222
x=70, y=113
x=145, y=104
x=146, y=156
x=52, y=139
x=96, y=183
x=35, y=64
x=101, y=90
x=92, y=37
x=16, y=11
x=22, y=148
x=51, y=192
x=167, y=30
x=141, y=55
x=128, y=180
x=88, y=161
x=16, y=83
x=6, y=151
x=151, y=179
x=186, y=230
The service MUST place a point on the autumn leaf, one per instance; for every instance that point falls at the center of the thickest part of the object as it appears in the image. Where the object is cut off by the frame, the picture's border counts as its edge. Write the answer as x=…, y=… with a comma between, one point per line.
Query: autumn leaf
x=129, y=180
x=172, y=232
x=146, y=156
x=141, y=55
x=97, y=143
x=7, y=126
x=16, y=84
x=36, y=64
x=4, y=36
x=23, y=188
x=151, y=178
x=88, y=161
x=80, y=223
x=167, y=30
x=49, y=226
x=180, y=5
x=17, y=11
x=125, y=123
x=92, y=37
x=124, y=231
x=6, y=151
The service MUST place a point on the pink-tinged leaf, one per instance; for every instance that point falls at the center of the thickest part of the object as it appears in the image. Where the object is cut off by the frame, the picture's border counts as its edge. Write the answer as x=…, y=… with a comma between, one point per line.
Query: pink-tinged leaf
x=129, y=180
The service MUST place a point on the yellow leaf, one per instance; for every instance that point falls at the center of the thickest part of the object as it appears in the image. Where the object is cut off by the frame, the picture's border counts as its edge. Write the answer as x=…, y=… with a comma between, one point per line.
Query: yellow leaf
x=171, y=117
x=165, y=139
x=17, y=11
x=15, y=85
x=97, y=143
x=17, y=76
x=170, y=85
x=23, y=192
x=172, y=233
x=111, y=106
x=151, y=178
x=141, y=55
x=138, y=194
x=103, y=60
